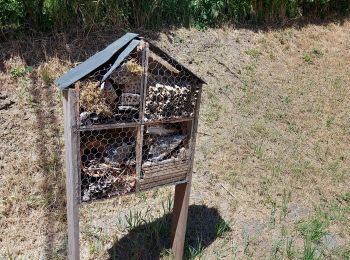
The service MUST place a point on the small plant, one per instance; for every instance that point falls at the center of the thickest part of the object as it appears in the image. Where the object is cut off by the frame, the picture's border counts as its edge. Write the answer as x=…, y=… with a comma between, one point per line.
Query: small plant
x=17, y=72
x=314, y=53
x=285, y=201
x=193, y=252
x=222, y=227
x=276, y=250
x=254, y=53
x=307, y=58
x=309, y=252
x=273, y=213
x=314, y=229
x=134, y=219
x=317, y=51
x=167, y=205
x=290, y=249
x=338, y=83
x=46, y=76
x=258, y=150
x=286, y=99
x=142, y=196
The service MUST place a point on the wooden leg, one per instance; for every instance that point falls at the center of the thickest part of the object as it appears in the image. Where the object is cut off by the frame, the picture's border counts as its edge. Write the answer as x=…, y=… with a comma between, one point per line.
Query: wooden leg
x=73, y=229
x=179, y=221
x=72, y=177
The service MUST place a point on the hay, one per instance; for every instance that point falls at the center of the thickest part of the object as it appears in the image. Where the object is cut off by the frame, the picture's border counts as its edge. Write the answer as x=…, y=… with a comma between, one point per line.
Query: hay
x=92, y=98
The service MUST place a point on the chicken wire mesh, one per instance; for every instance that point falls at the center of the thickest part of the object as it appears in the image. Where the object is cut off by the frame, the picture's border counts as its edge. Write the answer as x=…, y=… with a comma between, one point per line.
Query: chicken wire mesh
x=171, y=91
x=117, y=99
x=108, y=163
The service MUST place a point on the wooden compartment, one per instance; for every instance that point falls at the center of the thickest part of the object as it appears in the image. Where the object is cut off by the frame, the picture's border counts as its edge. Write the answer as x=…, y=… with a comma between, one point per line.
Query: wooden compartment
x=166, y=154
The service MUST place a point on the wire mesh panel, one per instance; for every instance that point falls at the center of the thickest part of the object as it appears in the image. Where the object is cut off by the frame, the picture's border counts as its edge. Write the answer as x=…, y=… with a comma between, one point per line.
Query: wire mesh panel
x=165, y=153
x=171, y=91
x=117, y=99
x=108, y=163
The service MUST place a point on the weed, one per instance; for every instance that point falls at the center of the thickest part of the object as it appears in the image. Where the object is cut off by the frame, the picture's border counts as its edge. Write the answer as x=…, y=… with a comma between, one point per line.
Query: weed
x=254, y=53
x=309, y=252
x=290, y=251
x=167, y=254
x=329, y=121
x=273, y=213
x=314, y=229
x=316, y=51
x=193, y=252
x=167, y=205
x=258, y=150
x=307, y=58
x=47, y=76
x=286, y=99
x=286, y=198
x=293, y=128
x=95, y=247
x=338, y=83
x=17, y=72
x=142, y=196
x=250, y=68
x=222, y=227
x=134, y=219
x=277, y=250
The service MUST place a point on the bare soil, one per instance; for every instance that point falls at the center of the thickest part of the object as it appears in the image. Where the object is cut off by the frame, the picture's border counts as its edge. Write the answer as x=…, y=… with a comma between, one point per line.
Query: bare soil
x=272, y=169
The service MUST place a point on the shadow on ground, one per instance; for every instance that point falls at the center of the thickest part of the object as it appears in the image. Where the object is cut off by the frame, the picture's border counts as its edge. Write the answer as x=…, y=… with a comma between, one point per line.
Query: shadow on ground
x=152, y=239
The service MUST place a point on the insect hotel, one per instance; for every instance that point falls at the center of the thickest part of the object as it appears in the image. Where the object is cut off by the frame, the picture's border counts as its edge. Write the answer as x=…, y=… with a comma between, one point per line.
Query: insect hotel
x=131, y=114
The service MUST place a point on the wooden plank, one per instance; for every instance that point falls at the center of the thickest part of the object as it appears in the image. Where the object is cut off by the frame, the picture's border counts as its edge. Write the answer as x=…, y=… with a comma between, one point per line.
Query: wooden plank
x=169, y=165
x=160, y=183
x=72, y=167
x=162, y=171
x=164, y=176
x=168, y=120
x=164, y=163
x=108, y=126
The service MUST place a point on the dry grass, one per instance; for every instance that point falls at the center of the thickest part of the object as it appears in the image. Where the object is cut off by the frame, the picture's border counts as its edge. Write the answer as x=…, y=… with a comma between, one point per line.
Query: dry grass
x=93, y=99
x=274, y=130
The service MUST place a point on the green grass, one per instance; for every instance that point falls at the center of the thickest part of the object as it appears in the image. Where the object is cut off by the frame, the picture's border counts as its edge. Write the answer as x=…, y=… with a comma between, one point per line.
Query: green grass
x=307, y=58
x=192, y=252
x=222, y=227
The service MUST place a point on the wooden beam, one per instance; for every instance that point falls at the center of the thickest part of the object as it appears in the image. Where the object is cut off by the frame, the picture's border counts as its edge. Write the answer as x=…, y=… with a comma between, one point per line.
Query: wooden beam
x=71, y=138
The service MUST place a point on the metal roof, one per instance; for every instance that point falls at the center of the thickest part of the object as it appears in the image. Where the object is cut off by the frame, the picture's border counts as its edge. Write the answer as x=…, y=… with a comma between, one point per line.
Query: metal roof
x=126, y=43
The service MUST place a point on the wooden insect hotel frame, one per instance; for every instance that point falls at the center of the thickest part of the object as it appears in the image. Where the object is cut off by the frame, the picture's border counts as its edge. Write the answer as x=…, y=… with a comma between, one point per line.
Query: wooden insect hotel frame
x=130, y=117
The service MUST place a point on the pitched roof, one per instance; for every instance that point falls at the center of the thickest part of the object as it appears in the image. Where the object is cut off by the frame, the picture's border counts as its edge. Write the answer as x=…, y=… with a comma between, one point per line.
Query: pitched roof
x=125, y=44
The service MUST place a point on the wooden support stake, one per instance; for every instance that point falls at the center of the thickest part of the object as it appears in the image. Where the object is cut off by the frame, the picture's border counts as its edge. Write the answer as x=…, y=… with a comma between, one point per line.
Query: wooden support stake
x=179, y=220
x=71, y=137
x=182, y=196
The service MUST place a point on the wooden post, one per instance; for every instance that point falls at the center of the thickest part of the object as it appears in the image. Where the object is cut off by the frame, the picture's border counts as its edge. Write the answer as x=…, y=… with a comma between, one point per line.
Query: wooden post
x=179, y=220
x=182, y=195
x=71, y=137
